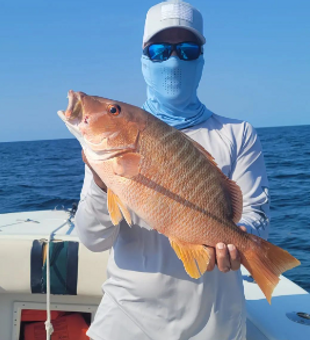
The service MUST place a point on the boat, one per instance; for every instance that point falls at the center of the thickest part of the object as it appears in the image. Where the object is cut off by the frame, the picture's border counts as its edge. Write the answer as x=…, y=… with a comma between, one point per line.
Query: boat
x=69, y=281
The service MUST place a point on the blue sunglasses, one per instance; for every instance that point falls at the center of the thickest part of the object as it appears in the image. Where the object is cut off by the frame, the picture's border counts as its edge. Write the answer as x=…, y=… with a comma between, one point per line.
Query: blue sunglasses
x=162, y=51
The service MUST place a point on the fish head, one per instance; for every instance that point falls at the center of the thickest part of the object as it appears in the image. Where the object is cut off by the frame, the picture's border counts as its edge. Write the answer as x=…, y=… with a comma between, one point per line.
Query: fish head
x=104, y=127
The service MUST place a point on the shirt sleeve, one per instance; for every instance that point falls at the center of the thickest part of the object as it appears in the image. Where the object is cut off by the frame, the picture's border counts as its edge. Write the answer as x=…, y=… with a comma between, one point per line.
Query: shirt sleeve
x=92, y=220
x=249, y=172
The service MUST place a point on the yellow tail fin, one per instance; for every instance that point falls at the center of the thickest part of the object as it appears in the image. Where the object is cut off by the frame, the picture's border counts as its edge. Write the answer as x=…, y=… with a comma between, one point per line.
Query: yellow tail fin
x=266, y=262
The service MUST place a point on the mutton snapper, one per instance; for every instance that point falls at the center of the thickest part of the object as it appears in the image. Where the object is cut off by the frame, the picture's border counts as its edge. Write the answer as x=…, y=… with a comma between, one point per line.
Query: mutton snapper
x=171, y=182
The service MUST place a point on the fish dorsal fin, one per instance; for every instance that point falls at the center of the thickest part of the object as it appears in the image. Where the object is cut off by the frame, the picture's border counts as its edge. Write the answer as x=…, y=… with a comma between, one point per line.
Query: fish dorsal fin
x=195, y=257
x=117, y=209
x=232, y=188
x=236, y=197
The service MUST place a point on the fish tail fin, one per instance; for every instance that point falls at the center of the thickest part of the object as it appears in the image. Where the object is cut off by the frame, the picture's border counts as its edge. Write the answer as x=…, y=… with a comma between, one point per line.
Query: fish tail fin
x=266, y=262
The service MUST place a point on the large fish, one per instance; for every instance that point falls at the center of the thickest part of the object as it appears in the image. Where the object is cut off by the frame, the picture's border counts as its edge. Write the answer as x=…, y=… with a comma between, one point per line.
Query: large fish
x=171, y=182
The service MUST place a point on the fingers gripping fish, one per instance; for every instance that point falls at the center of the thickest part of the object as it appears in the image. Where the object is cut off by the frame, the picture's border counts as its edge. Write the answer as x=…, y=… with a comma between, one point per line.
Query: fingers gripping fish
x=171, y=182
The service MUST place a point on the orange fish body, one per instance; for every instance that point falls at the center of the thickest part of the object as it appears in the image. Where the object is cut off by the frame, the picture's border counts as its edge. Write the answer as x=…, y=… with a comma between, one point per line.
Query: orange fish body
x=173, y=186
x=172, y=183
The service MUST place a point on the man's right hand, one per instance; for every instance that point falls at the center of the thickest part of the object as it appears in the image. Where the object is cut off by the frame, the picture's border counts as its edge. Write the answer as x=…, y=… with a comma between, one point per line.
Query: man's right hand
x=226, y=257
x=97, y=179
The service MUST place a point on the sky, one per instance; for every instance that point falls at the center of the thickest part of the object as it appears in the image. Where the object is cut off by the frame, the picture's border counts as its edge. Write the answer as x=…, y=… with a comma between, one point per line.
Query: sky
x=257, y=60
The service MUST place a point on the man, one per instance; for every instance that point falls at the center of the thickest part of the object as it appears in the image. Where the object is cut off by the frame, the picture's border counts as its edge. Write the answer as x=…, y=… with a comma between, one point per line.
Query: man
x=148, y=294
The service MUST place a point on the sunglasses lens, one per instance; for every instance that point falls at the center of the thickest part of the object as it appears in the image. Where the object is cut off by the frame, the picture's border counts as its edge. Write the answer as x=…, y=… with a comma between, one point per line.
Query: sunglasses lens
x=188, y=51
x=159, y=52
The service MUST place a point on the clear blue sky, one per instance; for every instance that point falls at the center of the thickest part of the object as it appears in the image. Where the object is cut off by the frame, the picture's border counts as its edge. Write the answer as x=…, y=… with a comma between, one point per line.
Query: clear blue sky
x=257, y=60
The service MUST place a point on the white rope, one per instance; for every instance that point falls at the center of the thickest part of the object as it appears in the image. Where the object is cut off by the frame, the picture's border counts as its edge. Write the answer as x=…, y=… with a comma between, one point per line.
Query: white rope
x=48, y=325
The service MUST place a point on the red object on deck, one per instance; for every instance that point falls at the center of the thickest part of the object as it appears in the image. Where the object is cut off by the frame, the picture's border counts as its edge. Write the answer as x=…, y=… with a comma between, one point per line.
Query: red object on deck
x=38, y=315
x=68, y=327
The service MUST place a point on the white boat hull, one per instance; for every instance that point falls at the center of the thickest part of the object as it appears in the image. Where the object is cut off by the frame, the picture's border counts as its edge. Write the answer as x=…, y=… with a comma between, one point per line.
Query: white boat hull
x=19, y=230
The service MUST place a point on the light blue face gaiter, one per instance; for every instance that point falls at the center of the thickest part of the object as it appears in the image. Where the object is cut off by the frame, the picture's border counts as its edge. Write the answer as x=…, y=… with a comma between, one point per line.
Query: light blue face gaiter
x=172, y=91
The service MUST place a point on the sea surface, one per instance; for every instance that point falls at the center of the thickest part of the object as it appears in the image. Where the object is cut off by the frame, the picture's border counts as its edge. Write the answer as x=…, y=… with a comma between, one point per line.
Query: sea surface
x=41, y=175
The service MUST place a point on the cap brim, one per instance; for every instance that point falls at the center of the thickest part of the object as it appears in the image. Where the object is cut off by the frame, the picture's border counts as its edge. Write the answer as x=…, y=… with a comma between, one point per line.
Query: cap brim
x=200, y=36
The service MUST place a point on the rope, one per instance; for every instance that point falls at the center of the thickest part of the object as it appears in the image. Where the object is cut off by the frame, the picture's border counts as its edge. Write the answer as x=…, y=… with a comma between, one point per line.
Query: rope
x=48, y=325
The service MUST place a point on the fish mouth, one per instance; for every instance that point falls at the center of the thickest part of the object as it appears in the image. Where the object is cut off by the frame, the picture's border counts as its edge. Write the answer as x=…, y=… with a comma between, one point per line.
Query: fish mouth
x=74, y=111
x=73, y=114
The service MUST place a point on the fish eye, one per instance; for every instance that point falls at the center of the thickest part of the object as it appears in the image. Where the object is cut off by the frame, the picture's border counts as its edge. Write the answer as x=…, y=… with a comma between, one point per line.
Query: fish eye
x=115, y=110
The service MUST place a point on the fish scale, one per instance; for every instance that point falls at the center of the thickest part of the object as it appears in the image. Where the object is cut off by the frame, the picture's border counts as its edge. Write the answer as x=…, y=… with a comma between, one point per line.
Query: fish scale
x=165, y=180
x=172, y=183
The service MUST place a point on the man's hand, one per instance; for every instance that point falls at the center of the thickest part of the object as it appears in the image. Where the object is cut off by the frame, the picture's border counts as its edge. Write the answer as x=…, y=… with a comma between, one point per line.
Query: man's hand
x=226, y=257
x=97, y=179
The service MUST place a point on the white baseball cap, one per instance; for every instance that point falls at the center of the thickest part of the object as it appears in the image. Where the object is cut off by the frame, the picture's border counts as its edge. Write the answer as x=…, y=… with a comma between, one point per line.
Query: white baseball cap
x=173, y=13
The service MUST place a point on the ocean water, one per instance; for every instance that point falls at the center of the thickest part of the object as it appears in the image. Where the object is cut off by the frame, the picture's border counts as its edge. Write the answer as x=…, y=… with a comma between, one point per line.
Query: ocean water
x=44, y=174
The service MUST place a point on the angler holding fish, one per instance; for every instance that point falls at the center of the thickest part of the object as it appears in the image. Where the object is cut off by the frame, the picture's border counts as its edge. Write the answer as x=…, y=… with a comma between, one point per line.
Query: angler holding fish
x=183, y=178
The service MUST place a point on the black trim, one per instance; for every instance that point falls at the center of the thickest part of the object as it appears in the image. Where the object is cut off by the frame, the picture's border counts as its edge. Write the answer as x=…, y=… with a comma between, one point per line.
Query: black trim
x=36, y=262
x=58, y=253
x=72, y=268
x=63, y=267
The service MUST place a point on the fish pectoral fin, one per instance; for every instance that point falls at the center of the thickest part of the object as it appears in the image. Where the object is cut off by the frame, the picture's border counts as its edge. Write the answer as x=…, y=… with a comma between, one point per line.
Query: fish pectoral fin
x=127, y=165
x=195, y=257
x=117, y=209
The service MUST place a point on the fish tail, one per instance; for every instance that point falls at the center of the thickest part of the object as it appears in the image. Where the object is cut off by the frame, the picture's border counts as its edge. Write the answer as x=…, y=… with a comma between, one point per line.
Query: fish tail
x=266, y=262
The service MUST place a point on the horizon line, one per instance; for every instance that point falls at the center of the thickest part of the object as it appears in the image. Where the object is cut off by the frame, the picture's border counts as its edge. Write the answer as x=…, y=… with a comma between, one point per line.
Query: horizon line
x=69, y=138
